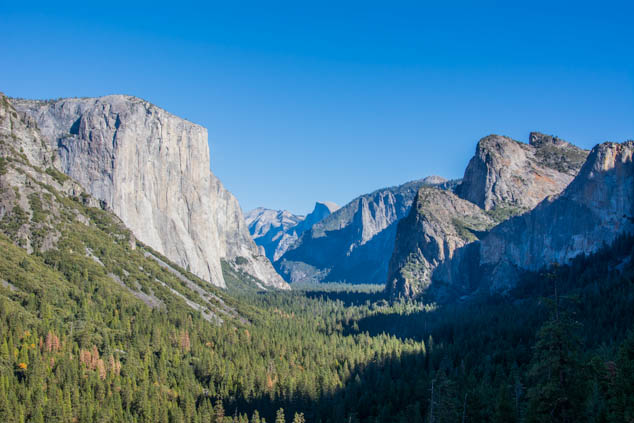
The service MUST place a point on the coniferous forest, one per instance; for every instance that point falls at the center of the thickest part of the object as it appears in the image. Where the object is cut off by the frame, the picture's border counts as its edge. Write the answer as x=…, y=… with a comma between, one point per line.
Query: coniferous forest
x=76, y=347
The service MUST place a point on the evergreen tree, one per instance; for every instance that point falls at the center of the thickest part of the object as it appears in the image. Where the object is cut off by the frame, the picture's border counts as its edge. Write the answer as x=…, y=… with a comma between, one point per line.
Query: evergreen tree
x=279, y=416
x=557, y=373
x=621, y=399
x=504, y=410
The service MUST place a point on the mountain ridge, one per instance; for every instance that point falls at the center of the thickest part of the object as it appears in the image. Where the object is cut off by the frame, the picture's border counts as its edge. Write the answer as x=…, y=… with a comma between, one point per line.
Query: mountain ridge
x=354, y=243
x=275, y=231
x=591, y=210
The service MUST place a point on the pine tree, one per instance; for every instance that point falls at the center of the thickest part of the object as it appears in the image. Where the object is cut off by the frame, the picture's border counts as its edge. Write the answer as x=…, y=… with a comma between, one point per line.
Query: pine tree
x=556, y=371
x=255, y=418
x=504, y=410
x=279, y=416
x=621, y=389
x=219, y=411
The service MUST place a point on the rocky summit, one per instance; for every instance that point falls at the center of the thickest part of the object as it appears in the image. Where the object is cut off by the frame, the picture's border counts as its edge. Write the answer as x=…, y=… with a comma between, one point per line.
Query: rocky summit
x=353, y=244
x=152, y=169
x=505, y=173
x=274, y=231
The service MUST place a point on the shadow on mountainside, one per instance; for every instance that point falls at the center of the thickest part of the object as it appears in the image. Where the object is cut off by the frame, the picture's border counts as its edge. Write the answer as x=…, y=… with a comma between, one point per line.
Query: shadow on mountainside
x=472, y=350
x=331, y=254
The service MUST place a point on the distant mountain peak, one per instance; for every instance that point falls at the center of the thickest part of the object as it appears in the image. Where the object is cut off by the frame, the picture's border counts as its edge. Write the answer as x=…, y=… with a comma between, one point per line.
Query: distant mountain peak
x=277, y=230
x=332, y=207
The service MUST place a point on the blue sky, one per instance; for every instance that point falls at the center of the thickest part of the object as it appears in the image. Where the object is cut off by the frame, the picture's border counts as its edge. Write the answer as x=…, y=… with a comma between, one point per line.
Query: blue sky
x=329, y=100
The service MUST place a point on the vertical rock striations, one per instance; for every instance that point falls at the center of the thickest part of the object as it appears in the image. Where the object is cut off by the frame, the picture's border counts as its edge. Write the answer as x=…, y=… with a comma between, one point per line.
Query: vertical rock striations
x=152, y=169
x=596, y=208
x=235, y=242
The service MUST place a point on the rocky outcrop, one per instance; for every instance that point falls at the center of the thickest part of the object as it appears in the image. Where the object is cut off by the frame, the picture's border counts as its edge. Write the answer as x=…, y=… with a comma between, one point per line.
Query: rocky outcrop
x=27, y=179
x=276, y=230
x=355, y=243
x=438, y=224
x=593, y=211
x=596, y=208
x=152, y=169
x=447, y=240
x=19, y=136
x=505, y=173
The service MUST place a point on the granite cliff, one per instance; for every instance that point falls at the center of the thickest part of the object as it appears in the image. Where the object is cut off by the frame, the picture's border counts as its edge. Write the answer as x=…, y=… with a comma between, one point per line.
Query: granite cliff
x=353, y=244
x=276, y=230
x=505, y=178
x=596, y=208
x=74, y=244
x=453, y=249
x=438, y=224
x=151, y=169
x=505, y=173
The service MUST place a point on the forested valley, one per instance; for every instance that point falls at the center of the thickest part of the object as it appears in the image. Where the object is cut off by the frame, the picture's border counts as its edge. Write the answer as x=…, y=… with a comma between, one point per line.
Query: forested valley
x=76, y=347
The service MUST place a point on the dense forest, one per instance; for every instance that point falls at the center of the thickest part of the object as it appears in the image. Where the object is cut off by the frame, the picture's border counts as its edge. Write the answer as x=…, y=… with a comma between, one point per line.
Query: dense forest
x=76, y=347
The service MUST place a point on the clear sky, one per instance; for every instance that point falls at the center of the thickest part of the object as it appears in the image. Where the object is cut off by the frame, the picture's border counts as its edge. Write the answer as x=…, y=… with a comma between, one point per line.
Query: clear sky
x=323, y=100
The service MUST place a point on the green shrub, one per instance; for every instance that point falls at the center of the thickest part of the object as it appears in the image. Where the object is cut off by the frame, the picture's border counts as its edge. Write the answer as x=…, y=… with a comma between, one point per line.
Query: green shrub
x=57, y=175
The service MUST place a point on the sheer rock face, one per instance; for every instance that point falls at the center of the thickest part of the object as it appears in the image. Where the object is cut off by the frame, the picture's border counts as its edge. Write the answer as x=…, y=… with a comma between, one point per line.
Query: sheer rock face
x=276, y=230
x=593, y=211
x=19, y=131
x=26, y=167
x=510, y=174
x=438, y=224
x=354, y=244
x=448, y=242
x=152, y=169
